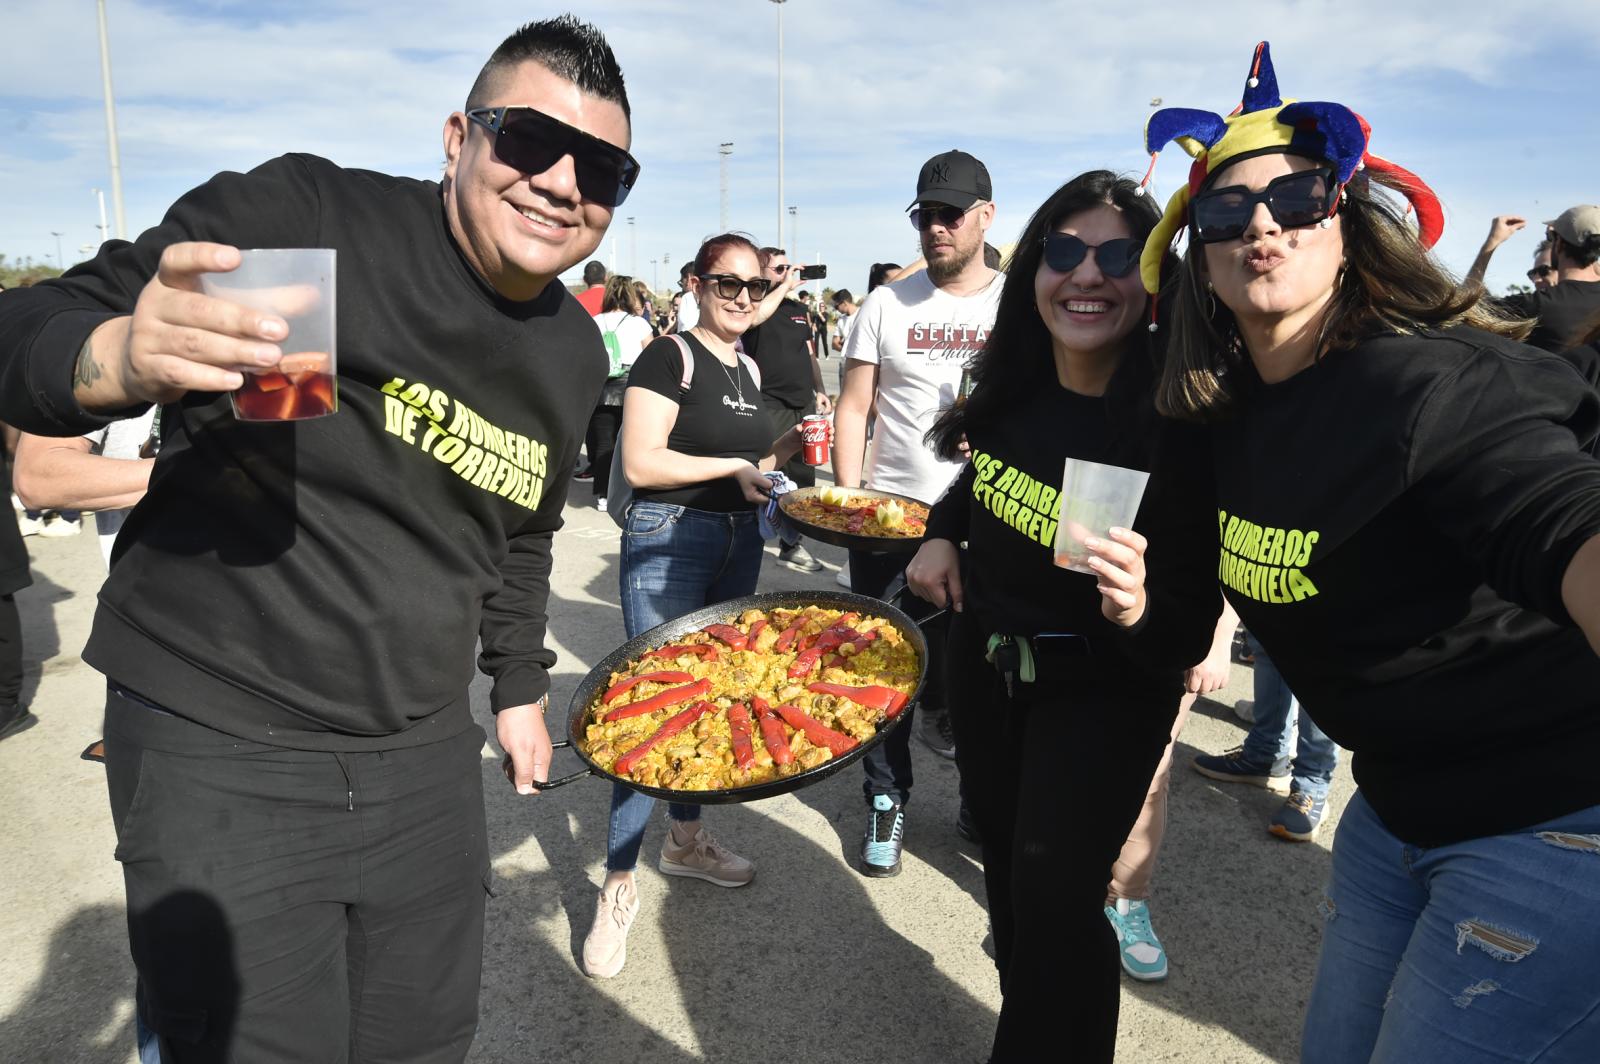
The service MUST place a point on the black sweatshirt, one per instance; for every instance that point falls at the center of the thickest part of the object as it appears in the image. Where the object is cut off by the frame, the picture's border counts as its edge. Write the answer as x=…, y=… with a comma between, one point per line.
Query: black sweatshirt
x=1395, y=524
x=319, y=585
x=1004, y=504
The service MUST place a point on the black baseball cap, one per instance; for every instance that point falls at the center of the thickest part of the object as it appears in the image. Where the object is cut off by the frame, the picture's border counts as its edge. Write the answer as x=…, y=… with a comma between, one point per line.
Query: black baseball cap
x=955, y=178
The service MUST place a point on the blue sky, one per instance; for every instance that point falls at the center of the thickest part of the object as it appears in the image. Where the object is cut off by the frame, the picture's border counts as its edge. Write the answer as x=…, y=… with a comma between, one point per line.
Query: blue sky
x=1489, y=104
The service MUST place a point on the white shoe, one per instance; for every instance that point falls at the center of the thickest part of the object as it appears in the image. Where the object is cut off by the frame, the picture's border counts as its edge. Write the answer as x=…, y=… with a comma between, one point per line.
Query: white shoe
x=605, y=950
x=842, y=577
x=703, y=857
x=600, y=503
x=29, y=526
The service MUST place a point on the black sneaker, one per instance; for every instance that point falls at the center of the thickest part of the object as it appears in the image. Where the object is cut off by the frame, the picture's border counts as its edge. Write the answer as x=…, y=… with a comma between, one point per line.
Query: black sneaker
x=937, y=734
x=886, y=827
x=967, y=827
x=795, y=556
x=15, y=718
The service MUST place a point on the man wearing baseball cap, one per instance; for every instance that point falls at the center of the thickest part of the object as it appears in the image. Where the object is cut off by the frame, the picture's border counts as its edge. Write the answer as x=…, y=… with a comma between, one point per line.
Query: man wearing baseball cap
x=908, y=346
x=1569, y=310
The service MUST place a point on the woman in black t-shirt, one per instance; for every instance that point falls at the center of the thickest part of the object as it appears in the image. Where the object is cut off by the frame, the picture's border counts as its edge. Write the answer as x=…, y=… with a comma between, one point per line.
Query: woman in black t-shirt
x=695, y=439
x=1067, y=372
x=1410, y=525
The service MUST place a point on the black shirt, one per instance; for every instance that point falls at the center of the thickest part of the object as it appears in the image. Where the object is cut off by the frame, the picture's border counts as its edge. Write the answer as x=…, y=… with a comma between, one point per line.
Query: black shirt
x=1395, y=523
x=1566, y=313
x=781, y=346
x=320, y=585
x=1005, y=504
x=720, y=416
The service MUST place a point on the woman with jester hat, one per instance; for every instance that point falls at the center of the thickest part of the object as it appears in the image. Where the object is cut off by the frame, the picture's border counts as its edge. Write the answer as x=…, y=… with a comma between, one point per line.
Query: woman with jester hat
x=1409, y=523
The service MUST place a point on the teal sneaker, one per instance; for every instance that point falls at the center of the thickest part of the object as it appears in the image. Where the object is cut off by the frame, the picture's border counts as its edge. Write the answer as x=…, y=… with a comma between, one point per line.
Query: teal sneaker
x=880, y=850
x=1142, y=955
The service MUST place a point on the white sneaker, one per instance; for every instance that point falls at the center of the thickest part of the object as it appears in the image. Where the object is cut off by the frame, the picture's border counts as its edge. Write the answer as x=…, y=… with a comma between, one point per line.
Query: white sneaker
x=703, y=857
x=842, y=577
x=605, y=950
x=29, y=526
x=600, y=503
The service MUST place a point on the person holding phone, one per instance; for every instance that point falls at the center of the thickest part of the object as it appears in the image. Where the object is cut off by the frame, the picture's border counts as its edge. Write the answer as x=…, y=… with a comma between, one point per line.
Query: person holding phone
x=785, y=347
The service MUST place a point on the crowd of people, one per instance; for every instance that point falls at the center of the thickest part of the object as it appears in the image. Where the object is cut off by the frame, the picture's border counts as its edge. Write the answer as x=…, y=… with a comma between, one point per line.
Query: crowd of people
x=1386, y=476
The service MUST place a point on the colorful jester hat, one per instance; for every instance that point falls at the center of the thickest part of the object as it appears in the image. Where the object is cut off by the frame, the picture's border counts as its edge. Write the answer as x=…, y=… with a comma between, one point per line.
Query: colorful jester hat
x=1264, y=123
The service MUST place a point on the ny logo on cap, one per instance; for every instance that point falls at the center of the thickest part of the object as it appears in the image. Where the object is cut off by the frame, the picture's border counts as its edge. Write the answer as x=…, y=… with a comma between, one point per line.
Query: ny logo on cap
x=941, y=173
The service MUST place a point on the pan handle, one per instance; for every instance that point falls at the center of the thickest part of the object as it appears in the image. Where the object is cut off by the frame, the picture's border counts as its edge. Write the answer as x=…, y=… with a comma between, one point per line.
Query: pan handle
x=564, y=780
x=894, y=600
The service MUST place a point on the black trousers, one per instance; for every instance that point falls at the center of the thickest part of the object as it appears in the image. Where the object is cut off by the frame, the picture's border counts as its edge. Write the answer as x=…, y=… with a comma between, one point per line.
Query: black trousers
x=293, y=906
x=600, y=439
x=10, y=651
x=1055, y=777
x=888, y=765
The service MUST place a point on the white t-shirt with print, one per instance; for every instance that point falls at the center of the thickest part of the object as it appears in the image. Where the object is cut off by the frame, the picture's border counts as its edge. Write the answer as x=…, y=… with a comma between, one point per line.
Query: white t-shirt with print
x=633, y=332
x=120, y=440
x=919, y=337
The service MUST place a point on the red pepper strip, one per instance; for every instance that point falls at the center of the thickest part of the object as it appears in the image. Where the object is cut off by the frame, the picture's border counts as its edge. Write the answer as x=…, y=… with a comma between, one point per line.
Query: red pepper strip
x=666, y=698
x=874, y=696
x=855, y=521
x=705, y=651
x=622, y=686
x=755, y=629
x=818, y=732
x=674, y=725
x=772, y=731
x=786, y=640
x=730, y=635
x=744, y=754
x=807, y=661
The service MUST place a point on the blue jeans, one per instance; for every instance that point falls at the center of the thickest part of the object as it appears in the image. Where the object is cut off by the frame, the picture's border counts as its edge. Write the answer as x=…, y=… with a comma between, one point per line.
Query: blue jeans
x=674, y=560
x=1276, y=708
x=1475, y=952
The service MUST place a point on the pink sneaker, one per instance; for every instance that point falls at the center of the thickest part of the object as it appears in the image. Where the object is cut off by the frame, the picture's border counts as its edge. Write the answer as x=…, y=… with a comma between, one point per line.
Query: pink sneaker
x=606, y=949
x=703, y=857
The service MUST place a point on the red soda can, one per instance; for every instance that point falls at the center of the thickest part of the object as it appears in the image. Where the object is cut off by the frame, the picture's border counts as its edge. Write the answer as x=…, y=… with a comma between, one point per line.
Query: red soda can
x=814, y=439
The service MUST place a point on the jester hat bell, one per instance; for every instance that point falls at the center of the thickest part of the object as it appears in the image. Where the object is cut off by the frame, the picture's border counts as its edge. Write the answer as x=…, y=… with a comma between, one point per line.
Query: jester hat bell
x=1262, y=123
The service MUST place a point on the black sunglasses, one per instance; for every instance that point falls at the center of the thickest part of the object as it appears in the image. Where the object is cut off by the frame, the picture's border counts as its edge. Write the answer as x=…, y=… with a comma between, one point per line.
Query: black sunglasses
x=1293, y=200
x=925, y=218
x=533, y=142
x=727, y=286
x=1539, y=273
x=1116, y=258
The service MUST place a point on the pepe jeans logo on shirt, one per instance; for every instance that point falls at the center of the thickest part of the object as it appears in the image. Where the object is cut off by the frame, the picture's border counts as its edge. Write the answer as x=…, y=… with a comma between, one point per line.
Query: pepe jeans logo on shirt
x=741, y=406
x=1265, y=563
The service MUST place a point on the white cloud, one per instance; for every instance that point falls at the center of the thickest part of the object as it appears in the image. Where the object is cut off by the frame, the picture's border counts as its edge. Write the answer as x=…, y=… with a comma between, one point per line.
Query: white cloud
x=1039, y=90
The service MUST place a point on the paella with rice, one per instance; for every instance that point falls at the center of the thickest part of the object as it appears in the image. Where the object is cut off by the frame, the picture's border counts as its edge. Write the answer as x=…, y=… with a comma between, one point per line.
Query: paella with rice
x=858, y=512
x=766, y=695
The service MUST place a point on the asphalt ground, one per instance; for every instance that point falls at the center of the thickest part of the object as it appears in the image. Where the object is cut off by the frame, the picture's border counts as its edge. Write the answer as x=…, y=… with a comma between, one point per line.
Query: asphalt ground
x=812, y=963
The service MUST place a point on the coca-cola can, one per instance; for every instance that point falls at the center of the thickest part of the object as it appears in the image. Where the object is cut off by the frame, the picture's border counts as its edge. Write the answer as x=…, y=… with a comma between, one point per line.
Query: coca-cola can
x=815, y=435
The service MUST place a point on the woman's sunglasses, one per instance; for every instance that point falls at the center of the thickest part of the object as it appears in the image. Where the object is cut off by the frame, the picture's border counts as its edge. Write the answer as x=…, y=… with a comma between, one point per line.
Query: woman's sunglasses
x=533, y=142
x=925, y=218
x=1293, y=200
x=727, y=286
x=1116, y=258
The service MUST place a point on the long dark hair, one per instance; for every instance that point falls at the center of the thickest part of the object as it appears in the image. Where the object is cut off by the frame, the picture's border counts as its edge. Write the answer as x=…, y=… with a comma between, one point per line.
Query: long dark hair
x=1016, y=363
x=1391, y=285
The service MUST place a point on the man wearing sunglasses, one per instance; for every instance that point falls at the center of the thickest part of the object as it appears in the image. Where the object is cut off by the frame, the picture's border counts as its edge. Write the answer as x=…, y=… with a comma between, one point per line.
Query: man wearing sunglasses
x=288, y=629
x=907, y=348
x=1569, y=309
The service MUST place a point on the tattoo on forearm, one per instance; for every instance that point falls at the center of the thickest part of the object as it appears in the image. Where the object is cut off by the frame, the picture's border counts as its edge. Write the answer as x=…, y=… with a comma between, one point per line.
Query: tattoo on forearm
x=87, y=371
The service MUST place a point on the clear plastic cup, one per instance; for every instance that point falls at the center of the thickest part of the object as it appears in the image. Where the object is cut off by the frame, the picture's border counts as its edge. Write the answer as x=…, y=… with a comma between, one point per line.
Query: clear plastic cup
x=297, y=285
x=1095, y=499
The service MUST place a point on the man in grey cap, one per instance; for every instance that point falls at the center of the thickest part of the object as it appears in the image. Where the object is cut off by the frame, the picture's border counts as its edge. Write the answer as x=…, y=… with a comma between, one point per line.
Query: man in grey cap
x=1569, y=310
x=908, y=346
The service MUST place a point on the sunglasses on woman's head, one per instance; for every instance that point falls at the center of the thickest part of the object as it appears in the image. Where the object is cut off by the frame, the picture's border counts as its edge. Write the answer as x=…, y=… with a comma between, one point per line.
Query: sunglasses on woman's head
x=533, y=142
x=923, y=218
x=1293, y=200
x=726, y=286
x=1116, y=258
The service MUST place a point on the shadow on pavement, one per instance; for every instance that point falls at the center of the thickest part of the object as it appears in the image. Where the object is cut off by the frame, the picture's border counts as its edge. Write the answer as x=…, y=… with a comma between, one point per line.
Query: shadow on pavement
x=81, y=1009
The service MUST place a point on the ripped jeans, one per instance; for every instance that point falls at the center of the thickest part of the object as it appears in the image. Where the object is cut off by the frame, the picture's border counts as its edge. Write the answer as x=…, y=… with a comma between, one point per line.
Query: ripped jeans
x=1484, y=950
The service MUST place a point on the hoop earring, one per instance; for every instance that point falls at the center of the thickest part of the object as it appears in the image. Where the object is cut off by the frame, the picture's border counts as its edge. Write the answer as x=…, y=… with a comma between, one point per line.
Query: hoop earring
x=1211, y=299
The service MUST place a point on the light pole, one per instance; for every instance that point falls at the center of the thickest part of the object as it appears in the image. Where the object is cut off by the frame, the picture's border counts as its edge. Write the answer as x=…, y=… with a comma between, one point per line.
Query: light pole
x=779, y=232
x=724, y=150
x=60, y=265
x=633, y=248
x=794, y=233
x=101, y=198
x=111, y=124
